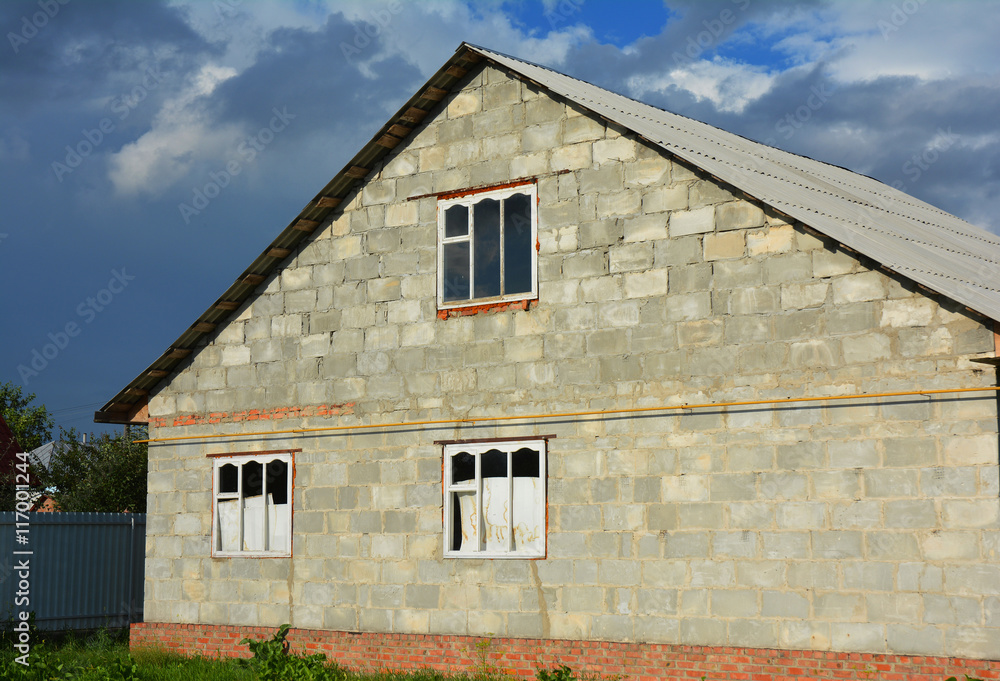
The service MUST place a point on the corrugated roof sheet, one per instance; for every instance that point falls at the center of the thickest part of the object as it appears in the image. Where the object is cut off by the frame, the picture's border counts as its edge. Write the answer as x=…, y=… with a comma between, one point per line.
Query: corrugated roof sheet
x=902, y=233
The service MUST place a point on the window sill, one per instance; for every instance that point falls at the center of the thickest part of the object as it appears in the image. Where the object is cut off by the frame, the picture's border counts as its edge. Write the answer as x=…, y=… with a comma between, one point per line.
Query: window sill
x=486, y=308
x=494, y=556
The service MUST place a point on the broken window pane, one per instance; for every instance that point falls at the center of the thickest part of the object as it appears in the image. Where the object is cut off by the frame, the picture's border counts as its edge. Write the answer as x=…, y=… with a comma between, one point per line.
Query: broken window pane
x=517, y=244
x=524, y=463
x=528, y=515
x=278, y=525
x=504, y=511
x=229, y=481
x=228, y=525
x=456, y=522
x=253, y=479
x=465, y=529
x=277, y=481
x=463, y=467
x=494, y=464
x=253, y=523
x=257, y=516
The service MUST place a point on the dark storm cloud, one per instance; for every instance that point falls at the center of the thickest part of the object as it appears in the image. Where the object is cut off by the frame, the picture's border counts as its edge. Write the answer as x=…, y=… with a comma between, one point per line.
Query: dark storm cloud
x=86, y=48
x=309, y=71
x=88, y=80
x=881, y=126
x=932, y=139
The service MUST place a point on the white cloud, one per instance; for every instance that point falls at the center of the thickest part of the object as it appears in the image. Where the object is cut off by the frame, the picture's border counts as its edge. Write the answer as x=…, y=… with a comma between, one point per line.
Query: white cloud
x=422, y=34
x=182, y=134
x=866, y=40
x=243, y=27
x=729, y=85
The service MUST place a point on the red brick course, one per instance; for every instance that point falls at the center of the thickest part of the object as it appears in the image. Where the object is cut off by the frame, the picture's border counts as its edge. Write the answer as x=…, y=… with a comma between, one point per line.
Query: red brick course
x=274, y=414
x=523, y=657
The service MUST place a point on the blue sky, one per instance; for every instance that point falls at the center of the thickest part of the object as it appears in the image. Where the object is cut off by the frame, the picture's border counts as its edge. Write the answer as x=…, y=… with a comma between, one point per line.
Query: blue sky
x=114, y=115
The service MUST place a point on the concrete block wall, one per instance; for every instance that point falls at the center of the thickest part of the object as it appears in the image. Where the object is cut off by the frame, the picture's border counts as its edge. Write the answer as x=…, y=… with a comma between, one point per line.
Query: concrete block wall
x=870, y=524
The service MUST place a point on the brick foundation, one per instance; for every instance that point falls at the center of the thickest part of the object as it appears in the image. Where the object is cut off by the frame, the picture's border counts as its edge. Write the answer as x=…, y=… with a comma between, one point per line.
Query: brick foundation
x=523, y=657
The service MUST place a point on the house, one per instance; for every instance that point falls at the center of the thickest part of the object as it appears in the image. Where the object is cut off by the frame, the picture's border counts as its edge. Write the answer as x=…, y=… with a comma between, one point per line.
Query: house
x=9, y=449
x=41, y=502
x=546, y=375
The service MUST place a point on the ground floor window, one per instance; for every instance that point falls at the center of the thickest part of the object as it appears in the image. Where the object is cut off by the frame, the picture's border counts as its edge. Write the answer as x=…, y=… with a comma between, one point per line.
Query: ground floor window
x=252, y=509
x=494, y=499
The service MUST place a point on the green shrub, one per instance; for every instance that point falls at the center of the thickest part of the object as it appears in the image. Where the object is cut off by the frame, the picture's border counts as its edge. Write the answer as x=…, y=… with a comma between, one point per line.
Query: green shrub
x=272, y=661
x=560, y=673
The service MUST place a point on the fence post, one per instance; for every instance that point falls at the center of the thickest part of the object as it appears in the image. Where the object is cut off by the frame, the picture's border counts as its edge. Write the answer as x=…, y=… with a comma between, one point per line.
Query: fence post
x=131, y=572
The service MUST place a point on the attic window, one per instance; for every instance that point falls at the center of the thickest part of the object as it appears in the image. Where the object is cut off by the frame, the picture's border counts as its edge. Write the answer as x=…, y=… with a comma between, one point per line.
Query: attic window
x=487, y=247
x=252, y=513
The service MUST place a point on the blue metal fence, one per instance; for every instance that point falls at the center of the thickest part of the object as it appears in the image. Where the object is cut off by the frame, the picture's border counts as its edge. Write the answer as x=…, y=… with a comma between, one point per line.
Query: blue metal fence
x=85, y=570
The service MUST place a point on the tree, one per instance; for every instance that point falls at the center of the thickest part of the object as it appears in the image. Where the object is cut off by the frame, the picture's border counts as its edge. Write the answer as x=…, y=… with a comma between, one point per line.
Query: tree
x=32, y=425
x=106, y=474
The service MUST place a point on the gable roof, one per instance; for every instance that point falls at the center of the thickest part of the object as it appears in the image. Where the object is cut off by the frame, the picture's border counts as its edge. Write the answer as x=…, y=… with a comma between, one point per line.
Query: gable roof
x=905, y=235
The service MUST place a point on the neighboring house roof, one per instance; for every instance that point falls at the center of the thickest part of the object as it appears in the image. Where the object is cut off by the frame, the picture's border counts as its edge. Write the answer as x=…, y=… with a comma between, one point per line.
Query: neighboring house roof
x=902, y=233
x=42, y=454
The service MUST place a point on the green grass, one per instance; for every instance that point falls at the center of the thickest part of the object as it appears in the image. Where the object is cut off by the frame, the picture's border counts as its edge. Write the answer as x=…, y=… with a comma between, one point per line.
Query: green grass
x=104, y=657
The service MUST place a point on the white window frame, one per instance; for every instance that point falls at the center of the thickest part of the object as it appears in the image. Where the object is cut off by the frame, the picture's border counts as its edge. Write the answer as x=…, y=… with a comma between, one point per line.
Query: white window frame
x=240, y=460
x=469, y=200
x=477, y=448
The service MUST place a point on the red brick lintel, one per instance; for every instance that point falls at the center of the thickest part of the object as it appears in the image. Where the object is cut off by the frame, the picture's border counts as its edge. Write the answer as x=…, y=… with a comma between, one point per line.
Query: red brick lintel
x=523, y=657
x=274, y=414
x=488, y=307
